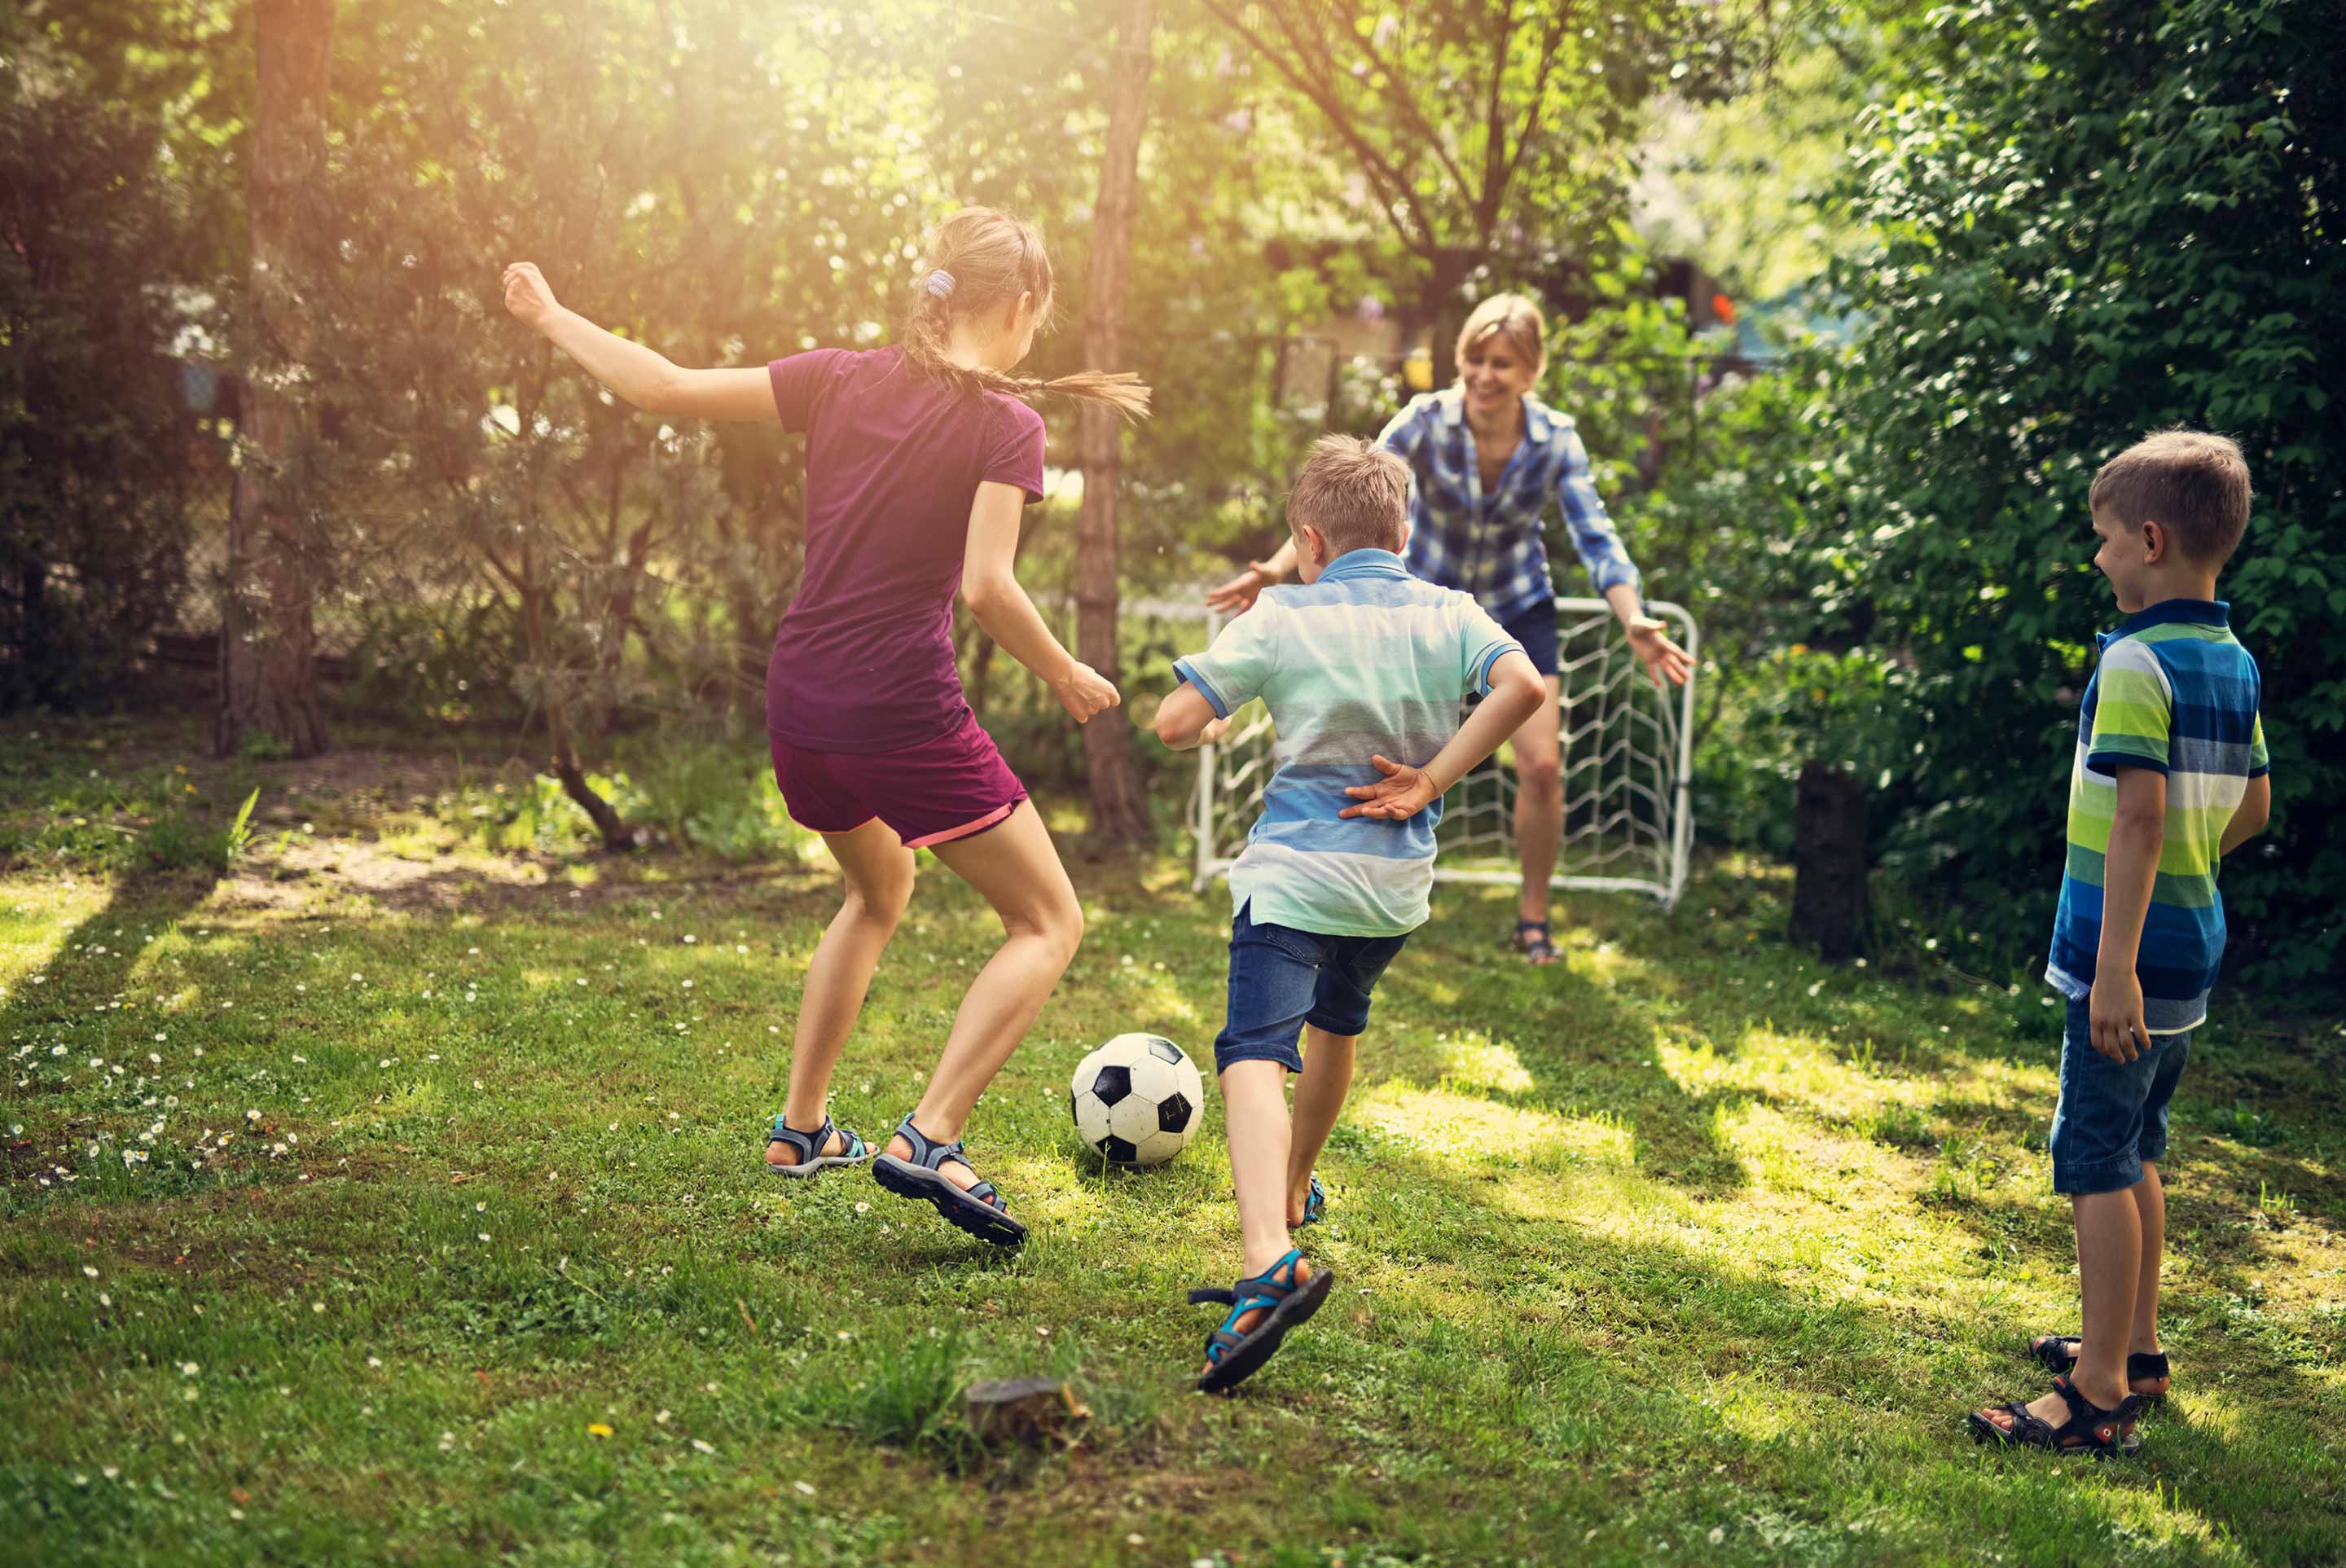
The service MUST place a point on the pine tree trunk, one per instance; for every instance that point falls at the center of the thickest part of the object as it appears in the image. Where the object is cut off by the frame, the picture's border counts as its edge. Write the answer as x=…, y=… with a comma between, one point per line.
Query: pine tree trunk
x=268, y=678
x=1119, y=812
x=1829, y=861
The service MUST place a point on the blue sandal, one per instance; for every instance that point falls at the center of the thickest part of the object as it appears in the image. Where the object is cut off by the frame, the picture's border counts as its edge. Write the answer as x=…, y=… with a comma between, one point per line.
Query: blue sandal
x=1532, y=941
x=1232, y=1357
x=980, y=1210
x=810, y=1147
x=1315, y=1204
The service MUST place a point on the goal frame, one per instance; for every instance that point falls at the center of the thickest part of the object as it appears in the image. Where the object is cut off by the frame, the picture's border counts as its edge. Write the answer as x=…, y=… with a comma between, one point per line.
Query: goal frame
x=1671, y=797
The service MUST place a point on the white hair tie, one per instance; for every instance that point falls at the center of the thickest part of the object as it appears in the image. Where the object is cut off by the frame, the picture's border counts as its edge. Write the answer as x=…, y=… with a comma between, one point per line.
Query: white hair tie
x=939, y=282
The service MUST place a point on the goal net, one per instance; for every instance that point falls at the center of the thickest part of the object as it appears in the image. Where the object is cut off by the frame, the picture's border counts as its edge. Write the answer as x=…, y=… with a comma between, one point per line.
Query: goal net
x=1627, y=750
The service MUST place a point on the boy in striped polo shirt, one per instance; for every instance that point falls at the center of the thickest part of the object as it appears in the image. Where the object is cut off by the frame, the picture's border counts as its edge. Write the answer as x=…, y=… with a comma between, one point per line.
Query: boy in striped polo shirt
x=1360, y=665
x=2170, y=776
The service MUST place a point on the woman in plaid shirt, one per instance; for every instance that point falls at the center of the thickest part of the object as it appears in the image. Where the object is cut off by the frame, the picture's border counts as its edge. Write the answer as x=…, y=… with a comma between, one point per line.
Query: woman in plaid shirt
x=1487, y=454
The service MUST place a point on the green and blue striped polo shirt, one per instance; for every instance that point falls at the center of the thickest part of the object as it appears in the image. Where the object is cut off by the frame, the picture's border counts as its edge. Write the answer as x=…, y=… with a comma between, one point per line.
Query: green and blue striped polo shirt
x=1366, y=661
x=2174, y=691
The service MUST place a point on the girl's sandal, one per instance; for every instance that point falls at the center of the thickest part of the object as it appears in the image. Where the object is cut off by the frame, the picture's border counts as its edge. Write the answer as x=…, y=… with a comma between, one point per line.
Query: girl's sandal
x=1231, y=1356
x=2058, y=1353
x=2090, y=1430
x=1315, y=1204
x=1532, y=941
x=809, y=1148
x=979, y=1210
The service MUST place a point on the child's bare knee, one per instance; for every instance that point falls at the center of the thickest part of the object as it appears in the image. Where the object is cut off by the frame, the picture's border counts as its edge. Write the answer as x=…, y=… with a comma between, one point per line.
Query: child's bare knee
x=882, y=903
x=1541, y=775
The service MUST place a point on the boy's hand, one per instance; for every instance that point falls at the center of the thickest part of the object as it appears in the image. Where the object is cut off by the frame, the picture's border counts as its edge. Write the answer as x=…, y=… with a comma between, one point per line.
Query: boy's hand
x=2114, y=1013
x=1402, y=793
x=1213, y=731
x=528, y=296
x=1083, y=691
x=1649, y=639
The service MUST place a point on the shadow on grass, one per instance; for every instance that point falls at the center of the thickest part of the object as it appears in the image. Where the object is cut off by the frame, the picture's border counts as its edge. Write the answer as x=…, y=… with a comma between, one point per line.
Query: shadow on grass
x=1806, y=1398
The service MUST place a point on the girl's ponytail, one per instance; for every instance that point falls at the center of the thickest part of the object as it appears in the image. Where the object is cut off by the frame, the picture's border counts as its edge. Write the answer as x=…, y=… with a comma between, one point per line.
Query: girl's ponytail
x=983, y=258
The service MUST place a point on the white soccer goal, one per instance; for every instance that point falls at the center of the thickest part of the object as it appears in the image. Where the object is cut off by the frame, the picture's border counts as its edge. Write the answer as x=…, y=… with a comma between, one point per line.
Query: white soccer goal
x=1628, y=752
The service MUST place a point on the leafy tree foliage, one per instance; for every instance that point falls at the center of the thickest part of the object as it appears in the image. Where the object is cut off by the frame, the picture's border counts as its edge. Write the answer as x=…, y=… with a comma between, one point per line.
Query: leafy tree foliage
x=2097, y=221
x=98, y=459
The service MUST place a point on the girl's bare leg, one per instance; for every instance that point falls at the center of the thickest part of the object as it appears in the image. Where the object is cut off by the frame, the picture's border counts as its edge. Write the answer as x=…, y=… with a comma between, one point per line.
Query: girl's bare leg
x=879, y=874
x=1017, y=869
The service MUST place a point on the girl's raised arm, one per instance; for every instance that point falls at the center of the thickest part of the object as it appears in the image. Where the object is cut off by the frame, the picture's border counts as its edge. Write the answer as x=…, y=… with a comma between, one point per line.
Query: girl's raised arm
x=639, y=374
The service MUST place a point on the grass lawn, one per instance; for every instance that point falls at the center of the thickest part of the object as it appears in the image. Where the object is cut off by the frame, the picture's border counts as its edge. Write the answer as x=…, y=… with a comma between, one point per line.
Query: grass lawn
x=396, y=1199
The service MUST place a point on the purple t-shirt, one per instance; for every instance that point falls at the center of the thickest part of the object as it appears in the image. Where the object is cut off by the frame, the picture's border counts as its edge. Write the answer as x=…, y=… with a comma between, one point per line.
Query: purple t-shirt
x=864, y=659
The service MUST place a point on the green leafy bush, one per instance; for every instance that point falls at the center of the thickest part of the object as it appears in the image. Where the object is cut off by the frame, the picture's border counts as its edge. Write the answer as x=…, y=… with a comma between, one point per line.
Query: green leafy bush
x=2098, y=220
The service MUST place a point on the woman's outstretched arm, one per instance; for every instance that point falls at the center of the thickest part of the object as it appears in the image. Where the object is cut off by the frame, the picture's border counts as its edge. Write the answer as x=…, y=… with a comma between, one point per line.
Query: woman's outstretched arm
x=640, y=375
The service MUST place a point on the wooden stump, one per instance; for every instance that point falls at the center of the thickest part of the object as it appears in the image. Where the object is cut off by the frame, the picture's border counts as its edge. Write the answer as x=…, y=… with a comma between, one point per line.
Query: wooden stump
x=1030, y=1410
x=1828, y=905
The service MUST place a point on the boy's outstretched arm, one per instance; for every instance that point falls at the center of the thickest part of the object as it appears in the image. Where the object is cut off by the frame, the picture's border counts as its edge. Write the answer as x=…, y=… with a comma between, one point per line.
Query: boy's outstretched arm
x=2130, y=870
x=1185, y=720
x=2248, y=818
x=1517, y=692
x=640, y=375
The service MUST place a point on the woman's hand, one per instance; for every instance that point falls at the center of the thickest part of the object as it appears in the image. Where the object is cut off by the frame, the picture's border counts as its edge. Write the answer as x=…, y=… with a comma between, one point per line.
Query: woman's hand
x=1649, y=639
x=1083, y=691
x=528, y=297
x=1239, y=593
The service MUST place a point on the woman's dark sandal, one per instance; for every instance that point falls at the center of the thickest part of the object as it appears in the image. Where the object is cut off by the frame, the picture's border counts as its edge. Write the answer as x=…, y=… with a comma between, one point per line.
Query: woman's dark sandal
x=809, y=1146
x=1535, y=949
x=2058, y=1353
x=1315, y=1204
x=979, y=1210
x=1232, y=1357
x=2090, y=1430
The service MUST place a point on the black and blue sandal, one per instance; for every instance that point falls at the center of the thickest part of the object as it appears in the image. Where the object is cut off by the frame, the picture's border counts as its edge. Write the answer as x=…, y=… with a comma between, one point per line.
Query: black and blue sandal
x=1315, y=1204
x=809, y=1148
x=2090, y=1430
x=1531, y=941
x=980, y=1210
x=1232, y=1357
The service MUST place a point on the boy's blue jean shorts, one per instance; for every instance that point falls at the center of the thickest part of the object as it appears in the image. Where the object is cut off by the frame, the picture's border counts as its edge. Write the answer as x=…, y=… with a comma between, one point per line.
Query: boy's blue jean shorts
x=1282, y=979
x=2113, y=1115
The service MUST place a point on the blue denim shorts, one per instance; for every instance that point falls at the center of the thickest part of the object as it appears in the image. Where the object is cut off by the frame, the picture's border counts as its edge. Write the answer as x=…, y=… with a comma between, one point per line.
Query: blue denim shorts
x=1535, y=629
x=2113, y=1115
x=1282, y=979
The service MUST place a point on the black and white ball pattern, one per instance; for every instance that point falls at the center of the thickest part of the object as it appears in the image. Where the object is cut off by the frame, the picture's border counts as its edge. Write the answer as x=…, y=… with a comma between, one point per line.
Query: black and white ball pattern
x=1137, y=1099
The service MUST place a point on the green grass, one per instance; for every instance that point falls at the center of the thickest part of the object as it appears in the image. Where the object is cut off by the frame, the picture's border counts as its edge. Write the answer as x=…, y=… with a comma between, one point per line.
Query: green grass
x=454, y=1162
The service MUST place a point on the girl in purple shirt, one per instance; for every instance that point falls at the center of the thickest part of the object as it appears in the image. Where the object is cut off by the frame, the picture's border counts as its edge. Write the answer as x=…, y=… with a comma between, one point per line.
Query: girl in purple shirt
x=919, y=461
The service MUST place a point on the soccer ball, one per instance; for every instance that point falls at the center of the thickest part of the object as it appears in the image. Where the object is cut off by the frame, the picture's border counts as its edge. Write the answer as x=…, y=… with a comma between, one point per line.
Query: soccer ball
x=1137, y=1099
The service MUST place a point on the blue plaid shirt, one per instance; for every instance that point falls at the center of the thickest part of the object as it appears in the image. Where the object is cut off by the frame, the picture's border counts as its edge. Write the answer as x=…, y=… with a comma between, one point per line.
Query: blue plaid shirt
x=1491, y=547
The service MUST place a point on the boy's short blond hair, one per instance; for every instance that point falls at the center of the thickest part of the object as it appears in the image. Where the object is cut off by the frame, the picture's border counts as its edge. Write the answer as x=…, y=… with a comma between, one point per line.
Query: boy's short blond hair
x=2195, y=483
x=1355, y=493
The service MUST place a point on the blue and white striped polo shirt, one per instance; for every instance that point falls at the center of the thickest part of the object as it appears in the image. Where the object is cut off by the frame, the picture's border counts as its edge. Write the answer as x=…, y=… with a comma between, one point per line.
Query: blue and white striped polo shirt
x=1366, y=661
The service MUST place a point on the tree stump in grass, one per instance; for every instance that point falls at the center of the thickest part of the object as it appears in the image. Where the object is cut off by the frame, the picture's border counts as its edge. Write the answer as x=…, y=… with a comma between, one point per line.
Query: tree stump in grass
x=1030, y=1410
x=1829, y=906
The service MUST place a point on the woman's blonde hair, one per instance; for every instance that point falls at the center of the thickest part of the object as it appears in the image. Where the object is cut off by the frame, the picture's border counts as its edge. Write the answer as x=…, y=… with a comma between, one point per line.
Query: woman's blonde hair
x=980, y=259
x=1511, y=319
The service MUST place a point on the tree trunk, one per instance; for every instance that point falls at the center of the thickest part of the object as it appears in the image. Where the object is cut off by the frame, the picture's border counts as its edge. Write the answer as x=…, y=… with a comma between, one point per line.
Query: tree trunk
x=268, y=679
x=1829, y=903
x=562, y=757
x=1119, y=813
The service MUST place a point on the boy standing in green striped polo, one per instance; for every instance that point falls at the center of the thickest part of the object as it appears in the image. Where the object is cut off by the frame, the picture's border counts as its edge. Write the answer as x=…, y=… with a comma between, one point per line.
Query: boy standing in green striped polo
x=2170, y=776
x=1362, y=665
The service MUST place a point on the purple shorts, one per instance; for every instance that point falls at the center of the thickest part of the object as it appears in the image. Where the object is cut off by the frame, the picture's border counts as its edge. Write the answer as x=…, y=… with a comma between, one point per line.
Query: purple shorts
x=950, y=788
